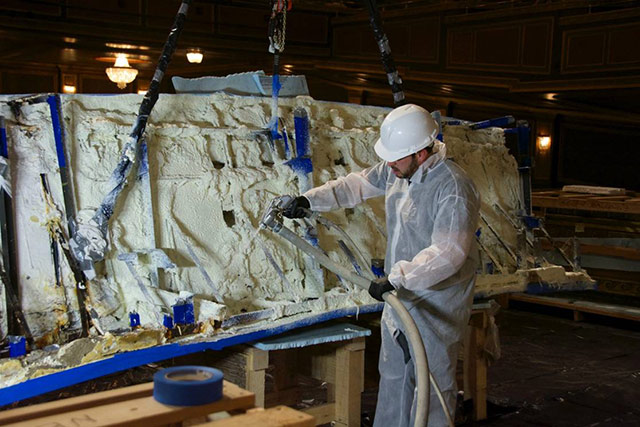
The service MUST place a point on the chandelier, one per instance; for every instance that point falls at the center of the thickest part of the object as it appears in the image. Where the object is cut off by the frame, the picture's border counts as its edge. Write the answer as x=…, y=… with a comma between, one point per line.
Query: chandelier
x=121, y=73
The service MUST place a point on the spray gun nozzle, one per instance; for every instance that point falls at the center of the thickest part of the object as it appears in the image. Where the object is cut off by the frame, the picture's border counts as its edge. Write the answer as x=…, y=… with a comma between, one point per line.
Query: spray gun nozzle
x=272, y=218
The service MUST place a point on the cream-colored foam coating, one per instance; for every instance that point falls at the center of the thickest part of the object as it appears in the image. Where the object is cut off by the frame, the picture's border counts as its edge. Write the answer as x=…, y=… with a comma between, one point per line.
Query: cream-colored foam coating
x=212, y=175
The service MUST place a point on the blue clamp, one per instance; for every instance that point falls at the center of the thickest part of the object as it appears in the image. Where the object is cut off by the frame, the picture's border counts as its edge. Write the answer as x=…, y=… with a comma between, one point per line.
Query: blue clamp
x=300, y=164
x=532, y=222
x=377, y=267
x=183, y=313
x=134, y=319
x=167, y=322
x=17, y=346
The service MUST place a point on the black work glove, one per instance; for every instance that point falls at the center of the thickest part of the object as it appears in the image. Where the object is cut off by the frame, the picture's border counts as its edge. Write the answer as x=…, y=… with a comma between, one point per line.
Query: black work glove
x=297, y=208
x=379, y=287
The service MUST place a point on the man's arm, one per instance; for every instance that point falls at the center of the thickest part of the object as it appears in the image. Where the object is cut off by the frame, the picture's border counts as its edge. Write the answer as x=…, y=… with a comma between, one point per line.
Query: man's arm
x=348, y=191
x=451, y=241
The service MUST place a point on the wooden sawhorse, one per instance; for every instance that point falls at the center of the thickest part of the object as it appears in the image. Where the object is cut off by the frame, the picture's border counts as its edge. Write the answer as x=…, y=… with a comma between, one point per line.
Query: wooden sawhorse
x=333, y=354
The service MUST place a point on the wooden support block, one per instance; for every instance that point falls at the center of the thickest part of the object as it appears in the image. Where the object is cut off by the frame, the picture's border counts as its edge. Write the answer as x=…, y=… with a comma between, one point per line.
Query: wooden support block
x=279, y=416
x=323, y=362
x=349, y=382
x=475, y=363
x=257, y=363
x=144, y=411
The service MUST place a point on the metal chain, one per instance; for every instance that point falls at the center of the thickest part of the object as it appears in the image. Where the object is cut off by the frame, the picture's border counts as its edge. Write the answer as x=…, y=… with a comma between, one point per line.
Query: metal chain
x=278, y=25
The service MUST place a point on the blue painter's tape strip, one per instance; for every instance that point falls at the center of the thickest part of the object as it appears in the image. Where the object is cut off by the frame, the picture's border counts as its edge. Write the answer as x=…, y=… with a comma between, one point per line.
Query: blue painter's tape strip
x=123, y=361
x=275, y=85
x=377, y=271
x=300, y=164
x=4, y=147
x=543, y=287
x=54, y=107
x=187, y=385
x=301, y=124
x=287, y=150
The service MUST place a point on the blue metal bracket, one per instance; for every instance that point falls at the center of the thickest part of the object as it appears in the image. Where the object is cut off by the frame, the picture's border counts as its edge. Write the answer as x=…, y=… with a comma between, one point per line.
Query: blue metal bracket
x=497, y=122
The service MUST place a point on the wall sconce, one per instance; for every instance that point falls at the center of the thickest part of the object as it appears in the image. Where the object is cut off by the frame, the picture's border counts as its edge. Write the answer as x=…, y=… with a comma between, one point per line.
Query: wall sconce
x=194, y=56
x=121, y=73
x=544, y=143
x=143, y=87
x=69, y=83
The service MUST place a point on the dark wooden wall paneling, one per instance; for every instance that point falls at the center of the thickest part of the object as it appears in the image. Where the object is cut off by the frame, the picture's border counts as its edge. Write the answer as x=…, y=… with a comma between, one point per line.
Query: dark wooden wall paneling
x=412, y=40
x=127, y=12
x=601, y=48
x=28, y=81
x=518, y=46
x=596, y=154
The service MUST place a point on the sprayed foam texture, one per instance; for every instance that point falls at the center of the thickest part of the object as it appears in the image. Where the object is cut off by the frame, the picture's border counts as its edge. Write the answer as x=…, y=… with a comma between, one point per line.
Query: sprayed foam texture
x=212, y=171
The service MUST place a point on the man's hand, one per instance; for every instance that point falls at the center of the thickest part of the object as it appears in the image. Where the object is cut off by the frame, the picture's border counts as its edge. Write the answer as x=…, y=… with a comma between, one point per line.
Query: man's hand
x=379, y=287
x=298, y=207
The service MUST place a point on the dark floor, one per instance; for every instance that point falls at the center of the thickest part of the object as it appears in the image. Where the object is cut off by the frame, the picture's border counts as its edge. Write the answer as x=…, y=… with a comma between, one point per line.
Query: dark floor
x=557, y=372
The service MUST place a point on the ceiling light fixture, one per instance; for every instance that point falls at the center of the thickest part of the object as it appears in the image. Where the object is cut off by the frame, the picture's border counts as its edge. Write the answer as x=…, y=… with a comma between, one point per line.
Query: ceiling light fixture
x=121, y=73
x=194, y=56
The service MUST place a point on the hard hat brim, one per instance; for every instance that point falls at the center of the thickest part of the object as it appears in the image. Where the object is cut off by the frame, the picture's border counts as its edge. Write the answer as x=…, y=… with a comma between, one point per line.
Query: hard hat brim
x=385, y=154
x=392, y=156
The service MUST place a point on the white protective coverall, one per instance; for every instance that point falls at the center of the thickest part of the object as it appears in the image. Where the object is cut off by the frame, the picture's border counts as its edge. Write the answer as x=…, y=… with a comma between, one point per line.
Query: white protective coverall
x=431, y=259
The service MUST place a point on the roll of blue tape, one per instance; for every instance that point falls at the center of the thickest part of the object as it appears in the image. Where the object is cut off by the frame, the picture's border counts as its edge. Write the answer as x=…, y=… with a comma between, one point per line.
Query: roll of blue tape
x=187, y=385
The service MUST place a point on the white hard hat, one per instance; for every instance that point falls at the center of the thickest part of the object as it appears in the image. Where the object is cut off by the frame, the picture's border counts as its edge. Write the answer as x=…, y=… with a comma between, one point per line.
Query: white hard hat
x=406, y=130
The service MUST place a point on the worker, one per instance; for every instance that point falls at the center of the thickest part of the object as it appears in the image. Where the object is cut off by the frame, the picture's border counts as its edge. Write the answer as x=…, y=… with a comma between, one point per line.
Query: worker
x=432, y=209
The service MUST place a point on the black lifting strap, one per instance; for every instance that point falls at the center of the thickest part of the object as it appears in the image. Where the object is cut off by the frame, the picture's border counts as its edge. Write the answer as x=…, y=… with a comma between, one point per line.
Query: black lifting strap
x=385, y=53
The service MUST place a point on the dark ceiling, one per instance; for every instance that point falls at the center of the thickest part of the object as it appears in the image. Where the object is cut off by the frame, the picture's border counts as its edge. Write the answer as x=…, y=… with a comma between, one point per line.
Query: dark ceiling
x=571, y=68
x=73, y=36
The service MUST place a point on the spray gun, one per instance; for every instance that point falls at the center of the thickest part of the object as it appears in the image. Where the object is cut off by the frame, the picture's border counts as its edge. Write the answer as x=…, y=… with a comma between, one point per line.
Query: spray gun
x=272, y=218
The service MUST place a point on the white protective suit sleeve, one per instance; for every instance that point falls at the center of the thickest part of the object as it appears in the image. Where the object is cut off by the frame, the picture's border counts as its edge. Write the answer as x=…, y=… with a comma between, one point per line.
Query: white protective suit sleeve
x=451, y=240
x=350, y=190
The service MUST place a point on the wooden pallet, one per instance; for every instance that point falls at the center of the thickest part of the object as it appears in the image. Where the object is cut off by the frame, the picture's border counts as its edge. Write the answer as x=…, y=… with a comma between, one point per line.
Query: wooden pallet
x=135, y=406
x=628, y=203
